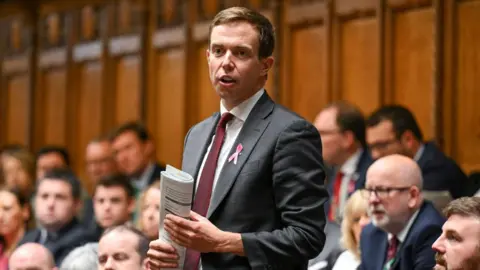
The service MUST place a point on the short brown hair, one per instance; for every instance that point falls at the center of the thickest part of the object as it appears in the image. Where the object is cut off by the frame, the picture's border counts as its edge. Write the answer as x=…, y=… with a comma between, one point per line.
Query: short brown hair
x=465, y=206
x=266, y=33
x=116, y=180
x=350, y=118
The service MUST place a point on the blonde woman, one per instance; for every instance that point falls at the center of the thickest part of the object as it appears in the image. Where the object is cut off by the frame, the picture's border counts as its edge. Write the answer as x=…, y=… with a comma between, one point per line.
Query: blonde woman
x=149, y=211
x=354, y=219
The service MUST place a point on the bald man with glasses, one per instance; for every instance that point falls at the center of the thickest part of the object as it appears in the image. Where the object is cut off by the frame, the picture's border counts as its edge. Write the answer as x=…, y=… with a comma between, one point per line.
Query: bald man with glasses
x=404, y=226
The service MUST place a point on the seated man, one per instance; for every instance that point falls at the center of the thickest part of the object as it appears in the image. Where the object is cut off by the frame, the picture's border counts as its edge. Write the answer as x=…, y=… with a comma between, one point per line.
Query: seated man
x=342, y=127
x=31, y=256
x=458, y=248
x=99, y=163
x=113, y=203
x=57, y=201
x=51, y=157
x=394, y=130
x=404, y=226
x=122, y=247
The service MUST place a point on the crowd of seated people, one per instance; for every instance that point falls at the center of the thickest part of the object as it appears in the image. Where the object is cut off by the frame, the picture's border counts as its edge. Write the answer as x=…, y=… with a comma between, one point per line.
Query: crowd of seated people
x=44, y=207
x=387, y=185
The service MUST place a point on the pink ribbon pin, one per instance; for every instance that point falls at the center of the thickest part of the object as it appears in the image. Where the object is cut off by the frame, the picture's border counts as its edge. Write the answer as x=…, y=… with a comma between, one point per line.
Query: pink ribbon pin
x=235, y=155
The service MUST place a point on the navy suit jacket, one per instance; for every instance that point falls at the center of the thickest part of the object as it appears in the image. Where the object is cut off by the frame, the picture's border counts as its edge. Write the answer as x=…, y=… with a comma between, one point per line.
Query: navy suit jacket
x=415, y=253
x=442, y=173
x=69, y=237
x=363, y=163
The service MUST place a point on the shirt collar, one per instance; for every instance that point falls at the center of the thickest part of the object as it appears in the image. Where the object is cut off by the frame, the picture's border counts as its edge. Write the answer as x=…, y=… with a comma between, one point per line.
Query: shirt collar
x=402, y=235
x=142, y=182
x=350, y=166
x=242, y=110
x=419, y=153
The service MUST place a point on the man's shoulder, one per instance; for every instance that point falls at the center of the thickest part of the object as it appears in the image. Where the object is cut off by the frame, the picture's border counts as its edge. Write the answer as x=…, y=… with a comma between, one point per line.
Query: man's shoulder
x=30, y=236
x=428, y=216
x=370, y=230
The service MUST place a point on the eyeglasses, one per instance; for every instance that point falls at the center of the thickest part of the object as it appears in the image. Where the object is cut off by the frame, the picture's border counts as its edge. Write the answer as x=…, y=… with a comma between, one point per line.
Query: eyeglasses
x=380, y=145
x=383, y=193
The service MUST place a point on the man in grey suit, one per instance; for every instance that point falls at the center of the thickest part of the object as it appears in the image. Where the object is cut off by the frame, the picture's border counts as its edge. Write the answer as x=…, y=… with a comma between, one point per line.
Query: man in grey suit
x=258, y=167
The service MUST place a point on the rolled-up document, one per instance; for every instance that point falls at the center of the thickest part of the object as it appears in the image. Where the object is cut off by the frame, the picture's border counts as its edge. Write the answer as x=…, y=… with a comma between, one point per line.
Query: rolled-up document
x=176, y=198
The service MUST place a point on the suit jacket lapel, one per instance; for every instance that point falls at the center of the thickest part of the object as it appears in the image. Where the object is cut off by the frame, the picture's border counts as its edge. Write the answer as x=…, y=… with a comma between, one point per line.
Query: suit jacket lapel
x=202, y=137
x=252, y=129
x=382, y=240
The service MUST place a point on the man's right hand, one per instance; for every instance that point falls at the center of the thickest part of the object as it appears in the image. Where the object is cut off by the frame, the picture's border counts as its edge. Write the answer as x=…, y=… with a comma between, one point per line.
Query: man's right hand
x=161, y=255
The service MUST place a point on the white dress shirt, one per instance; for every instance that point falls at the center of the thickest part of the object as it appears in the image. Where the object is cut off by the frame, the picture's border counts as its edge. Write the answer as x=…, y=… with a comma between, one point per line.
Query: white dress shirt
x=232, y=130
x=348, y=169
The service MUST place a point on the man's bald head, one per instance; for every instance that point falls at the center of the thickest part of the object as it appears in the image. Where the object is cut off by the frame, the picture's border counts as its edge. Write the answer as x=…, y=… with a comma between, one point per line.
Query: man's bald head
x=31, y=256
x=396, y=170
x=395, y=185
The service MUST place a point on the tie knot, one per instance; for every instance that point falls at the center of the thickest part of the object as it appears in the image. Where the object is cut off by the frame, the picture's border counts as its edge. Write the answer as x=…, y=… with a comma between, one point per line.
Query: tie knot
x=394, y=241
x=226, y=117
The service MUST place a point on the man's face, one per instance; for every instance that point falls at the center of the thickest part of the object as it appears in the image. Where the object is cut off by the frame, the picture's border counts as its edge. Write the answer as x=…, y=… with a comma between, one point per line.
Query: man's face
x=100, y=161
x=458, y=248
x=389, y=205
x=112, y=206
x=117, y=251
x=54, y=204
x=49, y=161
x=332, y=136
x=236, y=71
x=382, y=141
x=131, y=154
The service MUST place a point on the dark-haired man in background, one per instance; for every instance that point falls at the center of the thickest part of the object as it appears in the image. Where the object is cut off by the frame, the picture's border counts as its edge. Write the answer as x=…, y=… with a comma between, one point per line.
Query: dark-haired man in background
x=342, y=127
x=114, y=203
x=50, y=157
x=57, y=201
x=134, y=152
x=393, y=130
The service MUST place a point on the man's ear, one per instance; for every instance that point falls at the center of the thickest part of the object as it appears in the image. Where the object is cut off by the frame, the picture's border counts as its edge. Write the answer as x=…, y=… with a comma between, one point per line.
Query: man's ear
x=415, y=196
x=267, y=64
x=207, y=53
x=132, y=204
x=149, y=148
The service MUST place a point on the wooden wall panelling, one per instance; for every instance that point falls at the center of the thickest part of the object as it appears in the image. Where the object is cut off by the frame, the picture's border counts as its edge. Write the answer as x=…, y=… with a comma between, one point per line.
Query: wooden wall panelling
x=167, y=93
x=306, y=84
x=16, y=80
x=89, y=57
x=461, y=95
x=356, y=53
x=52, y=98
x=126, y=47
x=412, y=63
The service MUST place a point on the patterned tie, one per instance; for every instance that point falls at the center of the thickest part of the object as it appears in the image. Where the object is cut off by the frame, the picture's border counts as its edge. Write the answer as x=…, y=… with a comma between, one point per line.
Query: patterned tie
x=391, y=252
x=332, y=215
x=204, y=190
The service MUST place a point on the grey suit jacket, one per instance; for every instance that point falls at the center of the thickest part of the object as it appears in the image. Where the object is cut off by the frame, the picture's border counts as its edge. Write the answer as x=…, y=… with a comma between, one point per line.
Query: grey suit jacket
x=273, y=196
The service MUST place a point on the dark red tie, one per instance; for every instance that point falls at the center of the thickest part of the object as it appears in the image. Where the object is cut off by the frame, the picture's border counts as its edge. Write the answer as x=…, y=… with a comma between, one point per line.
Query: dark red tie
x=204, y=190
x=391, y=252
x=332, y=215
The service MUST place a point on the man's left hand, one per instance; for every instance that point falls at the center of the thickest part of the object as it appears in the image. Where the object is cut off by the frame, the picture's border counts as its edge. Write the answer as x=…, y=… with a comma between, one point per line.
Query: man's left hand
x=198, y=233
